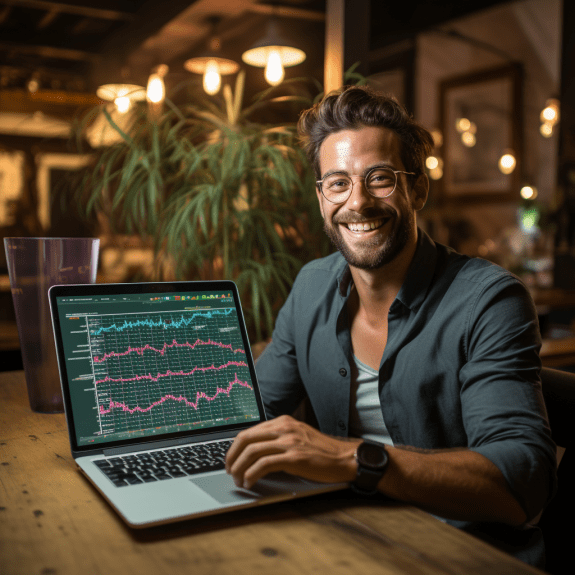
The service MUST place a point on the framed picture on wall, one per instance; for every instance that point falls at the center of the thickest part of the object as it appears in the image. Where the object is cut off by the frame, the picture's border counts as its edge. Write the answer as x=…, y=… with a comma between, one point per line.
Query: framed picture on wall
x=52, y=171
x=481, y=120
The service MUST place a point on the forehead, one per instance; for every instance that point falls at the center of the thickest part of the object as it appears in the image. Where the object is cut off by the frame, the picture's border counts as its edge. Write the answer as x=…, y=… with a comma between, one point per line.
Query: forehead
x=354, y=150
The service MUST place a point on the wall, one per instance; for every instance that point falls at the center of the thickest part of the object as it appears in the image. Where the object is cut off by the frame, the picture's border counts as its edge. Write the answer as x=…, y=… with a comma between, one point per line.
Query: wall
x=527, y=31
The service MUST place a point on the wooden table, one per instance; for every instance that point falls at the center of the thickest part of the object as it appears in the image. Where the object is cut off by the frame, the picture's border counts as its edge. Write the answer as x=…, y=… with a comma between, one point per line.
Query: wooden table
x=52, y=521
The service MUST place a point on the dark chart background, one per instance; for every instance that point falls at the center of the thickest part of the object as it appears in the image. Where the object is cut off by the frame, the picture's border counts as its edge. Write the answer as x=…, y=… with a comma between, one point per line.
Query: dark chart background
x=157, y=371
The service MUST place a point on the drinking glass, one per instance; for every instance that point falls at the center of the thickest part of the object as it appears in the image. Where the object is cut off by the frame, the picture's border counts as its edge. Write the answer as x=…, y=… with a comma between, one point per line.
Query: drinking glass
x=34, y=265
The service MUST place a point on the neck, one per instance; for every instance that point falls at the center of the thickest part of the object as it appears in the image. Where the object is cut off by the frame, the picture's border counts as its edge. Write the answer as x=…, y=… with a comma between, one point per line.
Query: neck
x=376, y=289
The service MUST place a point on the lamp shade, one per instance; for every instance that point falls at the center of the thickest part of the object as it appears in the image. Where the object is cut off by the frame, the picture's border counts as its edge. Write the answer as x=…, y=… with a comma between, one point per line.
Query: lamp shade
x=198, y=65
x=259, y=53
x=111, y=92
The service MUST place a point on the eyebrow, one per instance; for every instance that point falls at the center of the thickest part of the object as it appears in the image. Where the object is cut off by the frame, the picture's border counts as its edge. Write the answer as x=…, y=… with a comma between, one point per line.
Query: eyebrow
x=365, y=172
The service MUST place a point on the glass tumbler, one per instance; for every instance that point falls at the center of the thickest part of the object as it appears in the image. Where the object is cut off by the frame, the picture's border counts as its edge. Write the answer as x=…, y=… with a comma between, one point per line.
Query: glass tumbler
x=34, y=265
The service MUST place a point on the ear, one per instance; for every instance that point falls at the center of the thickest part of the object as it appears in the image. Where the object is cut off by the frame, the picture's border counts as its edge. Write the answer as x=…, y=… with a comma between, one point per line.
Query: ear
x=320, y=200
x=419, y=192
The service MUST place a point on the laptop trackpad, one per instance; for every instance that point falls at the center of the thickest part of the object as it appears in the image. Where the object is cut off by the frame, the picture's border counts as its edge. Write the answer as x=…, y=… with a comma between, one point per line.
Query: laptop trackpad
x=222, y=488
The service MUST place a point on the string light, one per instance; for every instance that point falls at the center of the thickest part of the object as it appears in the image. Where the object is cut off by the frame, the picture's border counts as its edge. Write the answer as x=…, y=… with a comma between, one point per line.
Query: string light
x=468, y=138
x=507, y=162
x=528, y=192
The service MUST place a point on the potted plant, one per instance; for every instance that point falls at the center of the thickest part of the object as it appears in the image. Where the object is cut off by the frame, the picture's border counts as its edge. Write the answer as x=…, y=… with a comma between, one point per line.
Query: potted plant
x=222, y=197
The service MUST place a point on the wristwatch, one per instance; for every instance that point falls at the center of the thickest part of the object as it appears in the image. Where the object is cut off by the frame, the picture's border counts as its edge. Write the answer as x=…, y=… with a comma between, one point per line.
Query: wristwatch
x=372, y=461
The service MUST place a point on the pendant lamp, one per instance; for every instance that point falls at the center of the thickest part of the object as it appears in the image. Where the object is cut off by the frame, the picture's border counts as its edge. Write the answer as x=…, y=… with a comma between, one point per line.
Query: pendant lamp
x=122, y=94
x=211, y=64
x=274, y=53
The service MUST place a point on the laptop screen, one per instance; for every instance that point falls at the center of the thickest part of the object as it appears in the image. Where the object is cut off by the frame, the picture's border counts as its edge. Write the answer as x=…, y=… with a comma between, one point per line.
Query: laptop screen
x=145, y=364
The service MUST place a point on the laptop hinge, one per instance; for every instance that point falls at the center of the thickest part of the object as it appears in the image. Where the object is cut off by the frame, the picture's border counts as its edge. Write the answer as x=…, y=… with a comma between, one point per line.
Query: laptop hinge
x=167, y=443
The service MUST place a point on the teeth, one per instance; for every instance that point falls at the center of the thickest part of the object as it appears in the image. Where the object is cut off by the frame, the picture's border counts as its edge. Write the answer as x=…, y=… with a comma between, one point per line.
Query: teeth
x=365, y=227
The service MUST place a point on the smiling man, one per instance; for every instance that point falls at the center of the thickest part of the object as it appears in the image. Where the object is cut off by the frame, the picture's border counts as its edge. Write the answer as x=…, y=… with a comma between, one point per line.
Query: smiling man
x=420, y=364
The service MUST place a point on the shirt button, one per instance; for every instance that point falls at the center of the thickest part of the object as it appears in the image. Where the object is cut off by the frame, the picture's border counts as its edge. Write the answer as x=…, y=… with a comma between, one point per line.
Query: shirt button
x=343, y=372
x=341, y=425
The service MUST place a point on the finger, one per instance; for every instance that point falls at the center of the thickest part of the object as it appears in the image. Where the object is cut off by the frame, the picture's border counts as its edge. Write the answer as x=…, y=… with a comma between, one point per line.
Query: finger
x=264, y=466
x=264, y=431
x=250, y=455
x=242, y=441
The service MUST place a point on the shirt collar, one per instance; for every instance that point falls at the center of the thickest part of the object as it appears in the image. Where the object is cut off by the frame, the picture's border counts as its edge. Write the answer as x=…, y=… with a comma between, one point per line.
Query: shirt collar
x=417, y=280
x=420, y=272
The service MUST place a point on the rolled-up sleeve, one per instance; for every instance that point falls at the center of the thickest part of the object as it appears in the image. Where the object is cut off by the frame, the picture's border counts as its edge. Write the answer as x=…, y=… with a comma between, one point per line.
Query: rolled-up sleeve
x=502, y=404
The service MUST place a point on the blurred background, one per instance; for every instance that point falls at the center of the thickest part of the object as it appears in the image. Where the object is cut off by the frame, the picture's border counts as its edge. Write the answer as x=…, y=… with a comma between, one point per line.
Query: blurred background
x=81, y=80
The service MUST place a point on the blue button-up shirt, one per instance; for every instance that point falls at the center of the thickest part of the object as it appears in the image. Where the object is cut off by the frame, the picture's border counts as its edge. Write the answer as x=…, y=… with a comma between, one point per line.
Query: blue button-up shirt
x=460, y=367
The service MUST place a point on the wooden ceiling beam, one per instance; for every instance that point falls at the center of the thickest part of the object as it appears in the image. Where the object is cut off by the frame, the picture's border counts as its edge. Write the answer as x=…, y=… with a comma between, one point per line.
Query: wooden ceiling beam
x=76, y=8
x=288, y=12
x=49, y=52
x=4, y=13
x=47, y=19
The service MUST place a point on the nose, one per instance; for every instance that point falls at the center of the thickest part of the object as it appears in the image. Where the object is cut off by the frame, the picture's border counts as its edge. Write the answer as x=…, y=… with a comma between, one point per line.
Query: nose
x=359, y=197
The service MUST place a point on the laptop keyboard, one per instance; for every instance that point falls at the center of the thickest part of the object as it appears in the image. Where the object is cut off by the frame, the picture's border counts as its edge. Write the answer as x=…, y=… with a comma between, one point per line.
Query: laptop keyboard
x=164, y=464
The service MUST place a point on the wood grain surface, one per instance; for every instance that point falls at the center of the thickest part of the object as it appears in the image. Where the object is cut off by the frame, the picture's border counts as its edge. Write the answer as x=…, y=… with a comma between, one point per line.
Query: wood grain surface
x=53, y=522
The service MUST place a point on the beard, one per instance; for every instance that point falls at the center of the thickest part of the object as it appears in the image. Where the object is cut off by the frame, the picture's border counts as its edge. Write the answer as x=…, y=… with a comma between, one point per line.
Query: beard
x=375, y=252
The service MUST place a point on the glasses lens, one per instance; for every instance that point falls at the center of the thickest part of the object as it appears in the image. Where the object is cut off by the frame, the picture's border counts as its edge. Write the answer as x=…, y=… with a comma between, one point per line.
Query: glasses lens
x=380, y=182
x=336, y=187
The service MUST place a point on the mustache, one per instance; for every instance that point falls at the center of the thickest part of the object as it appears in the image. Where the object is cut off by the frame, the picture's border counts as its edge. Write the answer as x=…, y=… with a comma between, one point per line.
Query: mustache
x=367, y=215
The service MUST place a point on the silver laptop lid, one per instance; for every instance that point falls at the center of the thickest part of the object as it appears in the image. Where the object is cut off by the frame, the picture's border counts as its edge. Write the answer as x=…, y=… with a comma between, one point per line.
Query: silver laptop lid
x=147, y=362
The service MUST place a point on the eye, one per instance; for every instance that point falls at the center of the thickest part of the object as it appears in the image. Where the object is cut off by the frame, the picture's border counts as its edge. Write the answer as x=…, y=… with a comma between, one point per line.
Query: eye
x=337, y=183
x=381, y=178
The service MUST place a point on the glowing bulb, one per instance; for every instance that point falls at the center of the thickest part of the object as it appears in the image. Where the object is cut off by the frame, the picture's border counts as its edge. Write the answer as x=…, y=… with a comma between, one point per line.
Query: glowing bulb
x=548, y=114
x=156, y=91
x=122, y=103
x=462, y=125
x=212, y=78
x=546, y=130
x=468, y=139
x=431, y=162
x=274, y=72
x=528, y=192
x=436, y=173
x=507, y=163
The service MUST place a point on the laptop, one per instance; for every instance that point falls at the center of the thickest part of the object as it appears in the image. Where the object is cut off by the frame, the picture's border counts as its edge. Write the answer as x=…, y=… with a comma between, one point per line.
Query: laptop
x=157, y=380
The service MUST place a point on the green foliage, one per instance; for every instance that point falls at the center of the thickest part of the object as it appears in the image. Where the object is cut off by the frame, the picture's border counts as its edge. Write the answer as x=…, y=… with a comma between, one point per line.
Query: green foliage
x=223, y=197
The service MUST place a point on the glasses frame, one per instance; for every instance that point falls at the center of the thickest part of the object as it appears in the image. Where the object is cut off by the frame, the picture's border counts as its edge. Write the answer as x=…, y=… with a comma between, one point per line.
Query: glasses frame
x=395, y=172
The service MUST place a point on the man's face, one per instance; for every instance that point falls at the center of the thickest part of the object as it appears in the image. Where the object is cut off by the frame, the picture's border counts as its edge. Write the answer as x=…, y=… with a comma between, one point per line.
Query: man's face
x=391, y=219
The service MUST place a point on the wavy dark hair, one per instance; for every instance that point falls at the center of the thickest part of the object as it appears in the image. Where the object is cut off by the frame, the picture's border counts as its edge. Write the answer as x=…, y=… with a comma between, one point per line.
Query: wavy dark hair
x=357, y=106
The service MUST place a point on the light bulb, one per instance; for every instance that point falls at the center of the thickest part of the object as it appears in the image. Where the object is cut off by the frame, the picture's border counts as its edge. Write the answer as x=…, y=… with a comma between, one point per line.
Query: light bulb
x=212, y=78
x=274, y=72
x=550, y=114
x=462, y=125
x=431, y=162
x=468, y=139
x=546, y=130
x=507, y=163
x=156, y=91
x=122, y=104
x=436, y=173
x=528, y=192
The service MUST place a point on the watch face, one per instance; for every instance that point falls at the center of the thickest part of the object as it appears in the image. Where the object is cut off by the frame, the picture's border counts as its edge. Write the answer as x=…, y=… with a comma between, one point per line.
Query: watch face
x=371, y=455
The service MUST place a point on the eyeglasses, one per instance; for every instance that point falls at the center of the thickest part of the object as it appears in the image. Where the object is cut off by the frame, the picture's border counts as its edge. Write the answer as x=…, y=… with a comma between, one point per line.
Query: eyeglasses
x=379, y=182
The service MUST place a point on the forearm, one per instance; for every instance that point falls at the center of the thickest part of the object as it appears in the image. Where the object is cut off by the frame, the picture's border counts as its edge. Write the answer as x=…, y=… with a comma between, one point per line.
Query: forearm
x=455, y=484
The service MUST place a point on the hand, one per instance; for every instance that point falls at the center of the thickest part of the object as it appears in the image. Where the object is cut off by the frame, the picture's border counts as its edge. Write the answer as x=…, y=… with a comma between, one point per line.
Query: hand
x=285, y=444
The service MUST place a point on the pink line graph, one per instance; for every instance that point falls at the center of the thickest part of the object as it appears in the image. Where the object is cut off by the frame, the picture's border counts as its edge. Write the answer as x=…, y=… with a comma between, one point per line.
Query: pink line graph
x=140, y=350
x=199, y=395
x=169, y=373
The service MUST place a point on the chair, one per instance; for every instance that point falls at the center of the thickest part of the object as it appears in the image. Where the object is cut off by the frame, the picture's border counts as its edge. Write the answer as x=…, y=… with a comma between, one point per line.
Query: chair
x=558, y=520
